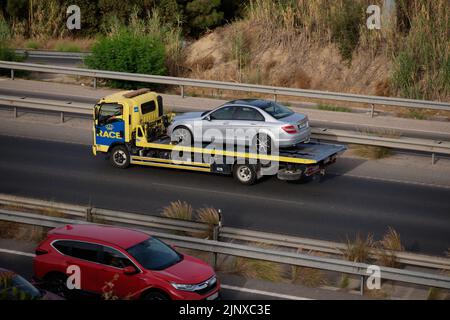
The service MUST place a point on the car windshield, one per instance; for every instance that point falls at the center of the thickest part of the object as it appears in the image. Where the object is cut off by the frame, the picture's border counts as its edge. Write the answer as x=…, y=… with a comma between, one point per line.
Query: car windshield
x=154, y=254
x=15, y=286
x=276, y=110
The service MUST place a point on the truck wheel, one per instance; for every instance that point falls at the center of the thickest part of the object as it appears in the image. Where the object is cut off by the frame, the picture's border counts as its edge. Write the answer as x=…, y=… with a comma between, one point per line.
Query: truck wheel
x=245, y=173
x=120, y=157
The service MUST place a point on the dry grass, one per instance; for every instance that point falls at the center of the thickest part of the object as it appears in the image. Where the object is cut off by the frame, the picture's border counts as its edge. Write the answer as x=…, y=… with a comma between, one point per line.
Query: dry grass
x=178, y=210
x=209, y=216
x=258, y=269
x=388, y=248
x=308, y=276
x=371, y=152
x=18, y=231
x=359, y=249
x=57, y=44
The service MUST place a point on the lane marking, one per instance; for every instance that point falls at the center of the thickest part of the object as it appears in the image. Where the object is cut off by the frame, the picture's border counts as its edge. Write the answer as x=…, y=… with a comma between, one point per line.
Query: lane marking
x=263, y=293
x=18, y=253
x=224, y=286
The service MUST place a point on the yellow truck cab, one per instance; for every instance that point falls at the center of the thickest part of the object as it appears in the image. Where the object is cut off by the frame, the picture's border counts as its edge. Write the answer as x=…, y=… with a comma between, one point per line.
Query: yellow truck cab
x=118, y=118
x=130, y=128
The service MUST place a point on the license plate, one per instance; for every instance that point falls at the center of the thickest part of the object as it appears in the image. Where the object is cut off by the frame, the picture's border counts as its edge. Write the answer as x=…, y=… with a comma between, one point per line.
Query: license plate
x=213, y=296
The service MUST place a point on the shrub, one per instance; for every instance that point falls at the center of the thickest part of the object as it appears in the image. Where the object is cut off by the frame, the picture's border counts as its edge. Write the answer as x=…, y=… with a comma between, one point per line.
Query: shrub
x=178, y=210
x=209, y=216
x=127, y=51
x=345, y=27
x=358, y=250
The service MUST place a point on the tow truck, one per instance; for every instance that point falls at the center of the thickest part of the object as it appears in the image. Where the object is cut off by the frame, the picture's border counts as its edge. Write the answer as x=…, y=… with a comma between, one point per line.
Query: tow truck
x=130, y=129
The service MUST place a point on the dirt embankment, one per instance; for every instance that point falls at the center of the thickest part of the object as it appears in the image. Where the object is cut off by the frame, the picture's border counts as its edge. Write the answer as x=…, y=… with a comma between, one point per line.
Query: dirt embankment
x=242, y=53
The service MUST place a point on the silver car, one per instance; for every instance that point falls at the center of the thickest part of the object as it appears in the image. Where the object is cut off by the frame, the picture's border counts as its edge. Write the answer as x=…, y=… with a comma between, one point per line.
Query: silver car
x=260, y=123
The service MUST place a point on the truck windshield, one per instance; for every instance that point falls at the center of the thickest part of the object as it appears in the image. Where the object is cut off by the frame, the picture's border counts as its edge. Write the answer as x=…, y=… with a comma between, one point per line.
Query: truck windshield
x=276, y=110
x=154, y=254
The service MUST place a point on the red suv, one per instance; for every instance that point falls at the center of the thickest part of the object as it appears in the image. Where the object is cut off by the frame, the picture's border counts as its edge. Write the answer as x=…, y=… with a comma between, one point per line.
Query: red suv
x=121, y=263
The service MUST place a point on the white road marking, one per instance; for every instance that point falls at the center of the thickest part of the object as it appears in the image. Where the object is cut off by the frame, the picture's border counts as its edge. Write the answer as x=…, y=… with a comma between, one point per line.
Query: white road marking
x=18, y=253
x=224, y=286
x=264, y=293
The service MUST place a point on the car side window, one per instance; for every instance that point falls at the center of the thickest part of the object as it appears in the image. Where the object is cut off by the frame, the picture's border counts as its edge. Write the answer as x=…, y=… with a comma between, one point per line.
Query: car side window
x=248, y=114
x=85, y=251
x=63, y=246
x=225, y=113
x=114, y=258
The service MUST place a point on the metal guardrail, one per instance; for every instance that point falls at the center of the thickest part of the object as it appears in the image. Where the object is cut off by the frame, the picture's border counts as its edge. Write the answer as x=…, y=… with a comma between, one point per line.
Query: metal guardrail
x=82, y=214
x=185, y=82
x=343, y=136
x=277, y=256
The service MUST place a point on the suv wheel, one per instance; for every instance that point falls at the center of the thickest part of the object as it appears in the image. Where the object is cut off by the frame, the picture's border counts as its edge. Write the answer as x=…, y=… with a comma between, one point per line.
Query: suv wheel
x=155, y=295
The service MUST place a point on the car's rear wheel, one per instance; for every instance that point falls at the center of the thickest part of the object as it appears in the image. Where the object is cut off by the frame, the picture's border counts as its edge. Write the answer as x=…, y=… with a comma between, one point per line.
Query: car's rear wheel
x=155, y=295
x=182, y=135
x=57, y=284
x=120, y=157
x=263, y=143
x=245, y=173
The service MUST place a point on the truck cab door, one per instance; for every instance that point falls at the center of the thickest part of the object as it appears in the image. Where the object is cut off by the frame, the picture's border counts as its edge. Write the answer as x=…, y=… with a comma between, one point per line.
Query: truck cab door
x=109, y=124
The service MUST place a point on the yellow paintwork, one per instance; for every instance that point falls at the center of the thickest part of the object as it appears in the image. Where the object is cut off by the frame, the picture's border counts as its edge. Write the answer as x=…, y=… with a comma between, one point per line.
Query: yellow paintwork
x=135, y=122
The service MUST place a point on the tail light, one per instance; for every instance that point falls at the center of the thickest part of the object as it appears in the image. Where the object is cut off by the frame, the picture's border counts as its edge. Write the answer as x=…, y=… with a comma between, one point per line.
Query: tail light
x=289, y=129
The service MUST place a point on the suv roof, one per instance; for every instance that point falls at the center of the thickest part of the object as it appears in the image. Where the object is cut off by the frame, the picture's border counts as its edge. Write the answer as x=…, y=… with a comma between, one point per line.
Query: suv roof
x=121, y=237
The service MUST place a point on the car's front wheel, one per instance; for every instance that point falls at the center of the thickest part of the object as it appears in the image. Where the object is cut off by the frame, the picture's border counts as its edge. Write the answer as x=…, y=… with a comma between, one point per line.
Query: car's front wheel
x=155, y=295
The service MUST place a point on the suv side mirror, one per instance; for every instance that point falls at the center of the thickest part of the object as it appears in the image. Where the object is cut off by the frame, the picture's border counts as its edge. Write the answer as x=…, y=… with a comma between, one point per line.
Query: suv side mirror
x=130, y=270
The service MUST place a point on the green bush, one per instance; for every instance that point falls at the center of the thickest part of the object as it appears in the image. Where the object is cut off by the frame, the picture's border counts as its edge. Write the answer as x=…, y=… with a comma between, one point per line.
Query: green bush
x=127, y=51
x=345, y=26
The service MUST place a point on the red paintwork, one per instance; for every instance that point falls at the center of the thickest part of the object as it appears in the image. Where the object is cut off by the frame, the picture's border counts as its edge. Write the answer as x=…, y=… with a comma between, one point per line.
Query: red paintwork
x=94, y=275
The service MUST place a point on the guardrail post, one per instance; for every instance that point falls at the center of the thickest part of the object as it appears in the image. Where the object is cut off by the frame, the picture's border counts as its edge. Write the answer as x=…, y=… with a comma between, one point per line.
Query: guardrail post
x=216, y=235
x=15, y=112
x=433, y=159
x=62, y=117
x=182, y=91
x=95, y=83
x=275, y=97
x=12, y=74
x=89, y=217
x=363, y=283
x=372, y=110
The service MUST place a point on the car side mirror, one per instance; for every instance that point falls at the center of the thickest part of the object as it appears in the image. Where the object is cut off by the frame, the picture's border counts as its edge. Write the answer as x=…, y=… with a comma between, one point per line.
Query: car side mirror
x=130, y=270
x=207, y=118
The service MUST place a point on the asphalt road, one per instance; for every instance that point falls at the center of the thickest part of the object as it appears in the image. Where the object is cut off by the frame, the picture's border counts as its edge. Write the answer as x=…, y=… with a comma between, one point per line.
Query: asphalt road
x=328, y=209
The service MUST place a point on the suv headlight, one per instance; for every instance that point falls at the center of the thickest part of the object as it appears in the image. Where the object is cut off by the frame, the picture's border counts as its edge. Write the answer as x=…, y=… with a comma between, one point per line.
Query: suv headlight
x=184, y=287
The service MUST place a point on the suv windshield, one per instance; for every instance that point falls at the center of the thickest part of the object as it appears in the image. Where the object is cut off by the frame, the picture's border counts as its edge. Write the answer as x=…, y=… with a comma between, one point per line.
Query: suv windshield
x=153, y=254
x=276, y=110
